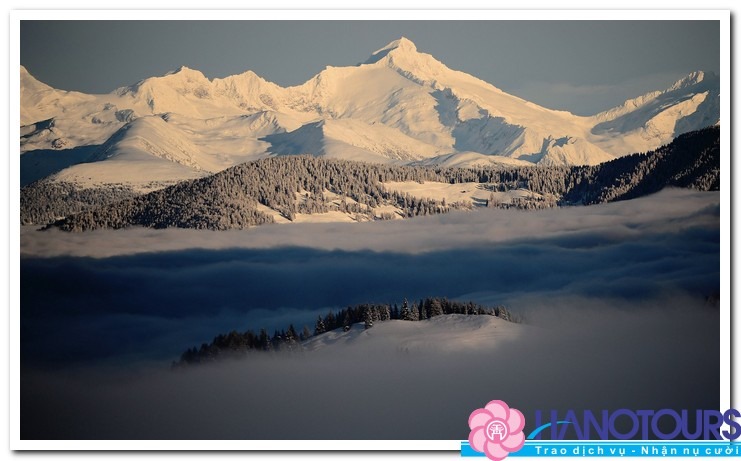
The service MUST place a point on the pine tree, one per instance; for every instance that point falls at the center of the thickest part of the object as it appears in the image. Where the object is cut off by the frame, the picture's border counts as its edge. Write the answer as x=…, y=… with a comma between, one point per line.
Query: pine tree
x=413, y=313
x=264, y=340
x=422, y=310
x=305, y=333
x=436, y=307
x=320, y=327
x=277, y=340
x=331, y=321
x=404, y=314
x=368, y=317
x=291, y=334
x=346, y=321
x=290, y=338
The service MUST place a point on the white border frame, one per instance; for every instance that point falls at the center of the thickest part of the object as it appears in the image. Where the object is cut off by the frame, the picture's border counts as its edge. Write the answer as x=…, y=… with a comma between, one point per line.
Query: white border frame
x=365, y=14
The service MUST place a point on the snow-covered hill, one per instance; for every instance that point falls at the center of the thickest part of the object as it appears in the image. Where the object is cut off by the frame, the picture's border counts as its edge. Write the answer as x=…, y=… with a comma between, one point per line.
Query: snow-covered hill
x=307, y=188
x=658, y=117
x=400, y=106
x=445, y=333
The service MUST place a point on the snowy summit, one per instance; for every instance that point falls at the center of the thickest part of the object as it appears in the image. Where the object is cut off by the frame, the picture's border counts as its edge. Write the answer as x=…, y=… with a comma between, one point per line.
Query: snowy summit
x=399, y=106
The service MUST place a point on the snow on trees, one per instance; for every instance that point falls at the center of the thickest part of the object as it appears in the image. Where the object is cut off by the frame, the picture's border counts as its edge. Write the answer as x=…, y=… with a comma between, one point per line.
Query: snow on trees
x=233, y=198
x=235, y=344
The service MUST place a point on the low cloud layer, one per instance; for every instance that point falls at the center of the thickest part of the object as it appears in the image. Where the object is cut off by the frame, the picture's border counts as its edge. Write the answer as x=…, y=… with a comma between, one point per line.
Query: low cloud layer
x=605, y=357
x=614, y=295
x=669, y=210
x=159, y=304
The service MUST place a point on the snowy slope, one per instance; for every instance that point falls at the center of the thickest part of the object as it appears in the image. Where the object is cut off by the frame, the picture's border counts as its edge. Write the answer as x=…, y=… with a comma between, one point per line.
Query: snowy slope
x=40, y=101
x=444, y=333
x=471, y=159
x=352, y=140
x=56, y=119
x=471, y=192
x=400, y=105
x=658, y=117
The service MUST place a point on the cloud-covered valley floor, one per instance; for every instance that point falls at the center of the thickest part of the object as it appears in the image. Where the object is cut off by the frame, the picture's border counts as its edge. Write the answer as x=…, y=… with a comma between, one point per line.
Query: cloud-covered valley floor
x=614, y=298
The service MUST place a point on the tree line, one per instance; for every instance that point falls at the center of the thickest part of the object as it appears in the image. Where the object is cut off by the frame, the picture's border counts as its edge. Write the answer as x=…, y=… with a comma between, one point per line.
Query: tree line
x=44, y=202
x=249, y=194
x=235, y=344
x=692, y=160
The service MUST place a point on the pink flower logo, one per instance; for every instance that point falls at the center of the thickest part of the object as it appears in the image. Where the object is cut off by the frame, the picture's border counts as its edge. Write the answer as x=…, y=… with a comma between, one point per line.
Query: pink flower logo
x=496, y=430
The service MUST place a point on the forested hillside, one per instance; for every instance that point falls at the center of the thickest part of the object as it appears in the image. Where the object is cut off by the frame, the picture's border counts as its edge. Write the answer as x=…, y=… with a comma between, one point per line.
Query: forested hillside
x=692, y=160
x=254, y=193
x=235, y=344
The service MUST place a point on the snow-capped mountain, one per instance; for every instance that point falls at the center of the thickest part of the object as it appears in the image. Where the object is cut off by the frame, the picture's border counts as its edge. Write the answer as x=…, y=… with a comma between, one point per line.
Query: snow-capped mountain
x=400, y=106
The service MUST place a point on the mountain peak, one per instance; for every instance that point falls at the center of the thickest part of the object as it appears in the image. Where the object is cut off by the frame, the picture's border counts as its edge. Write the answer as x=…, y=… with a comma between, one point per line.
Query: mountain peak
x=26, y=75
x=30, y=82
x=403, y=106
x=693, y=78
x=186, y=72
x=403, y=44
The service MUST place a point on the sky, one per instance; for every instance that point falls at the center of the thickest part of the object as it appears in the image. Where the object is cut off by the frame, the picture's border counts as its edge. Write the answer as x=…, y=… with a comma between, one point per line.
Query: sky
x=580, y=66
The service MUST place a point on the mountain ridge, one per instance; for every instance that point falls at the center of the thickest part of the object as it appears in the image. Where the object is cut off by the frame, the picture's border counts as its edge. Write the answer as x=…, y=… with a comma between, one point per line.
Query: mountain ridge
x=405, y=105
x=291, y=188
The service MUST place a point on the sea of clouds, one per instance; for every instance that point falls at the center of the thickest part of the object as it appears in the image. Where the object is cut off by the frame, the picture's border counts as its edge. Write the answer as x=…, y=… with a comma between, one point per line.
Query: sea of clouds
x=618, y=297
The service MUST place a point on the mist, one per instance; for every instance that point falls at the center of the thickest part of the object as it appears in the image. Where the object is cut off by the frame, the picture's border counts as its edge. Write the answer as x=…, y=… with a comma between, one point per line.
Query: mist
x=615, y=300
x=666, y=211
x=581, y=358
